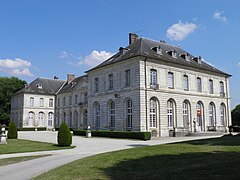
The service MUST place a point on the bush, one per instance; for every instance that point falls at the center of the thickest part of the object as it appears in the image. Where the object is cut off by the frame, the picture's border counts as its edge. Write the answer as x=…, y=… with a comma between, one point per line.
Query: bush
x=64, y=135
x=117, y=134
x=12, y=131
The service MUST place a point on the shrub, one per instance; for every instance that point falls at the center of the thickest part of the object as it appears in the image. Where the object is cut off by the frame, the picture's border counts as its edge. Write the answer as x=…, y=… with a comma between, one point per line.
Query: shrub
x=12, y=131
x=64, y=135
x=117, y=134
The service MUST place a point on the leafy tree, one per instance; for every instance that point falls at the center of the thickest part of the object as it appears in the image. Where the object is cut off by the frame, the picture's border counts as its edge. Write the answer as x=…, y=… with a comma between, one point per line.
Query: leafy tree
x=8, y=86
x=236, y=115
x=12, y=131
x=64, y=135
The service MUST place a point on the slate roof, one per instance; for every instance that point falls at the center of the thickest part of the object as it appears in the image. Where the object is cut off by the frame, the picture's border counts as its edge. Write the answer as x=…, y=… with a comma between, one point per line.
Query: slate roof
x=69, y=87
x=43, y=86
x=143, y=47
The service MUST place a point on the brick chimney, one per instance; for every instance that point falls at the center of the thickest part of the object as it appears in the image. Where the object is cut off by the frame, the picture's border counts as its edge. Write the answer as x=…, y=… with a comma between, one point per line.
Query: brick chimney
x=70, y=78
x=132, y=38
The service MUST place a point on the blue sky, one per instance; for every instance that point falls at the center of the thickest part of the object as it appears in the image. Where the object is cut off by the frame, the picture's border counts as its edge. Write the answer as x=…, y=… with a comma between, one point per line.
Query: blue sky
x=45, y=38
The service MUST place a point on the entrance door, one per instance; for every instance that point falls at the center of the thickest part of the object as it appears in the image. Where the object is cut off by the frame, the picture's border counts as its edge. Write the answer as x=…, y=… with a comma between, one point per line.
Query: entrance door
x=30, y=119
x=200, y=118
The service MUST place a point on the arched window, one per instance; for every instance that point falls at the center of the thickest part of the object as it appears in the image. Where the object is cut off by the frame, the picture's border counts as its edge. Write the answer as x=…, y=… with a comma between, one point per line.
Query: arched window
x=41, y=119
x=31, y=102
x=186, y=114
x=85, y=118
x=222, y=114
x=211, y=109
x=153, y=113
x=51, y=102
x=200, y=116
x=111, y=107
x=170, y=113
x=50, y=119
x=97, y=114
x=31, y=117
x=129, y=113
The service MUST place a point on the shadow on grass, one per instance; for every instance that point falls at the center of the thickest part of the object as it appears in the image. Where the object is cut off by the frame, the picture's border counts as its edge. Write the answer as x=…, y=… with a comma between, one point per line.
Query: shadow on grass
x=64, y=147
x=222, y=141
x=214, y=165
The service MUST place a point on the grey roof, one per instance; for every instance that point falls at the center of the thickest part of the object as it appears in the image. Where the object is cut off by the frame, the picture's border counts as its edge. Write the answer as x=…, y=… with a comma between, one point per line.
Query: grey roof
x=69, y=87
x=43, y=86
x=143, y=47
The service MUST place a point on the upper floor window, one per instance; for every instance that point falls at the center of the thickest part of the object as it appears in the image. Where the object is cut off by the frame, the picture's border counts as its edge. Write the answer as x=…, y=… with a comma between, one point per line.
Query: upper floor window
x=211, y=86
x=85, y=97
x=110, y=80
x=50, y=102
x=199, y=84
x=222, y=93
x=31, y=102
x=185, y=83
x=70, y=100
x=76, y=98
x=41, y=102
x=153, y=77
x=64, y=101
x=58, y=102
x=96, y=84
x=170, y=80
x=127, y=77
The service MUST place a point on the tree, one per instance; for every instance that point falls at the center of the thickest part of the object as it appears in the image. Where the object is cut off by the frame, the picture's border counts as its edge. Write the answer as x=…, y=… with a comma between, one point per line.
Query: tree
x=236, y=116
x=64, y=135
x=12, y=131
x=8, y=87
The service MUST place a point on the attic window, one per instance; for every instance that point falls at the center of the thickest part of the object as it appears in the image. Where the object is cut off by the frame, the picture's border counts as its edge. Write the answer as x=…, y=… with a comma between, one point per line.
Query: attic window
x=198, y=59
x=39, y=86
x=172, y=53
x=185, y=56
x=157, y=49
x=123, y=50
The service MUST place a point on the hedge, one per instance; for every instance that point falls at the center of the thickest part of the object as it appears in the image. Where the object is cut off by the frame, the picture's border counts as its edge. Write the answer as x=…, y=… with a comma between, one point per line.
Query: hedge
x=236, y=128
x=32, y=129
x=116, y=134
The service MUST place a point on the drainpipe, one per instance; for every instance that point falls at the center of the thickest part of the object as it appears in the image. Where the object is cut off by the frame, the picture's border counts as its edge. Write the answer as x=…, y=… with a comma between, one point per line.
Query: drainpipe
x=145, y=71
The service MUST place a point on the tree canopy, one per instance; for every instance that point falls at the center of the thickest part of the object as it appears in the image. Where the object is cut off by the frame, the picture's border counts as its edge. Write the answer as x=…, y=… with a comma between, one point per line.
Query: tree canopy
x=8, y=86
x=236, y=115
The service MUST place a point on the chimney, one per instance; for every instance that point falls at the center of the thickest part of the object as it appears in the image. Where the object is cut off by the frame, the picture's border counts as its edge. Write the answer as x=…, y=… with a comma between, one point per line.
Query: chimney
x=55, y=77
x=70, y=78
x=132, y=38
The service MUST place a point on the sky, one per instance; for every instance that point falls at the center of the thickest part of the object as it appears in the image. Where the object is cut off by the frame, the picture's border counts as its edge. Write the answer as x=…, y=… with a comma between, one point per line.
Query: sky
x=48, y=38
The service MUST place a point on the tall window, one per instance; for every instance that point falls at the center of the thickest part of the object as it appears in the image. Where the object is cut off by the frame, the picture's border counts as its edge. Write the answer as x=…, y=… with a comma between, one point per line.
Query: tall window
x=31, y=102
x=85, y=97
x=153, y=77
x=96, y=84
x=211, y=114
x=64, y=117
x=58, y=102
x=211, y=86
x=50, y=119
x=199, y=84
x=170, y=113
x=97, y=114
x=112, y=114
x=110, y=80
x=129, y=113
x=127, y=77
x=76, y=99
x=41, y=102
x=70, y=100
x=50, y=102
x=185, y=83
x=153, y=113
x=31, y=117
x=186, y=114
x=222, y=89
x=170, y=80
x=70, y=119
x=64, y=101
x=222, y=114
x=40, y=119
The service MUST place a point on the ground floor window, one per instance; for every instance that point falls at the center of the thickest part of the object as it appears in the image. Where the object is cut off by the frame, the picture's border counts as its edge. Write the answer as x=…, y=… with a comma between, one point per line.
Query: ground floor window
x=129, y=113
x=153, y=113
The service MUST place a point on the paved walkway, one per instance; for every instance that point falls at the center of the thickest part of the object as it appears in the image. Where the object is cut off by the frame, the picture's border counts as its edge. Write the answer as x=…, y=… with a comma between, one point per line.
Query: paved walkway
x=84, y=147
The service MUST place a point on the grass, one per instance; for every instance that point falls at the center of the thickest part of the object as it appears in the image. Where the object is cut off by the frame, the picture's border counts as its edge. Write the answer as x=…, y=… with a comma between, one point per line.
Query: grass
x=20, y=145
x=216, y=158
x=13, y=160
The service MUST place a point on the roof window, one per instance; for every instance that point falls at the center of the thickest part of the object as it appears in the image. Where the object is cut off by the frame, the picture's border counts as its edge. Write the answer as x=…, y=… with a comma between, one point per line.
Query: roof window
x=172, y=53
x=185, y=56
x=198, y=59
x=39, y=86
x=157, y=49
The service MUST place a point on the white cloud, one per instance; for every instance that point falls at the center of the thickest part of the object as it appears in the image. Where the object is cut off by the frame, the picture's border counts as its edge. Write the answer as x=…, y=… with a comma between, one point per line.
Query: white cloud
x=95, y=58
x=217, y=15
x=179, y=31
x=15, y=67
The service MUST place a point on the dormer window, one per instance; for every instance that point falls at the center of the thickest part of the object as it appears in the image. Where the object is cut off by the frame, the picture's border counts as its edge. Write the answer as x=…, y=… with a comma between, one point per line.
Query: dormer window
x=157, y=49
x=198, y=59
x=172, y=53
x=39, y=86
x=185, y=56
x=123, y=50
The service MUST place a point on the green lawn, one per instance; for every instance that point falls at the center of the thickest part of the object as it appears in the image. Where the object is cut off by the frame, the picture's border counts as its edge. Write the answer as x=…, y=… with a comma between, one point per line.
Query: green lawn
x=20, y=145
x=13, y=160
x=217, y=158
